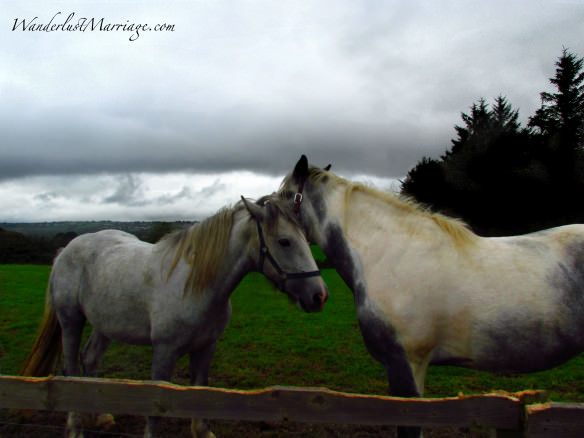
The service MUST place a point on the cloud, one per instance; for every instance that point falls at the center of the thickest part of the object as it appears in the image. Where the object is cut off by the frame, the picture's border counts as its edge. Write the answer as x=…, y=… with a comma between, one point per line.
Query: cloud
x=212, y=190
x=370, y=87
x=142, y=196
x=128, y=191
x=46, y=197
x=167, y=199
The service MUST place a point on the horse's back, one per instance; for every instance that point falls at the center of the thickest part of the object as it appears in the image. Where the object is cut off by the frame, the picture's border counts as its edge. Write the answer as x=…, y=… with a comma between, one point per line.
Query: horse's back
x=531, y=315
x=99, y=240
x=562, y=238
x=86, y=255
x=553, y=257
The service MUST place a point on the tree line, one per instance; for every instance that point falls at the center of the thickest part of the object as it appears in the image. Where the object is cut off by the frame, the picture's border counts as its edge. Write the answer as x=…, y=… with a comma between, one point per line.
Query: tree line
x=21, y=248
x=503, y=178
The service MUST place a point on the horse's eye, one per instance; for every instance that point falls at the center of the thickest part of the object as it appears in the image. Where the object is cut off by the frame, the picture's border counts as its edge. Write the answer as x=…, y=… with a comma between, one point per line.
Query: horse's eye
x=284, y=242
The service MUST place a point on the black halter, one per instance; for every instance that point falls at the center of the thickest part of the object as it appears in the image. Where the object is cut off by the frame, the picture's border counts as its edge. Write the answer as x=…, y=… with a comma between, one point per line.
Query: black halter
x=284, y=276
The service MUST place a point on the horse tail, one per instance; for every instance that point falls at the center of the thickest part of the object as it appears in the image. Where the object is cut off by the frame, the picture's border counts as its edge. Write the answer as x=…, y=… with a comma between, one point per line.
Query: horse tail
x=47, y=347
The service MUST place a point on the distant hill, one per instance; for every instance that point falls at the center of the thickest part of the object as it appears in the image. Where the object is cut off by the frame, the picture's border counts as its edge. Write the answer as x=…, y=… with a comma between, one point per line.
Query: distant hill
x=51, y=229
x=17, y=248
x=37, y=243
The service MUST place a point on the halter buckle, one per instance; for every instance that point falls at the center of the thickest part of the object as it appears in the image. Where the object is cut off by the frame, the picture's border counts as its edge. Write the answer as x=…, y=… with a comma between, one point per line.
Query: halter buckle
x=297, y=201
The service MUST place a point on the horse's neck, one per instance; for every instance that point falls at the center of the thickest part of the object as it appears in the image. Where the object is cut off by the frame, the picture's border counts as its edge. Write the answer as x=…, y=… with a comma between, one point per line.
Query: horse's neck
x=374, y=227
x=233, y=267
x=238, y=260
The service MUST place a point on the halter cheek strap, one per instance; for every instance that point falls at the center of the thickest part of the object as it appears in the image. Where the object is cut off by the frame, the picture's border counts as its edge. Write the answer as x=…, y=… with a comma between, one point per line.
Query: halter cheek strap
x=284, y=276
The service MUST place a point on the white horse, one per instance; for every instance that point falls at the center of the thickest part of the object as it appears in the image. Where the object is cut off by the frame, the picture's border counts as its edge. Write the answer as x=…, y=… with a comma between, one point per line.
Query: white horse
x=173, y=295
x=430, y=291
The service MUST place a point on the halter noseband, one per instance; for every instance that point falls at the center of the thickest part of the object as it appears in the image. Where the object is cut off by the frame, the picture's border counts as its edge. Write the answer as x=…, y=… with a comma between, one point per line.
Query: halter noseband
x=284, y=276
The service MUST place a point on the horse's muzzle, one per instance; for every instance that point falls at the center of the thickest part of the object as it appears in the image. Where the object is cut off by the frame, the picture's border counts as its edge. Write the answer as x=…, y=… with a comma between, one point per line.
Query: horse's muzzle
x=320, y=297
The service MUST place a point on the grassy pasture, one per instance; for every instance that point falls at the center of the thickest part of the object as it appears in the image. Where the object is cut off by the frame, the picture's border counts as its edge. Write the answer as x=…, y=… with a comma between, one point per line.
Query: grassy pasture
x=269, y=341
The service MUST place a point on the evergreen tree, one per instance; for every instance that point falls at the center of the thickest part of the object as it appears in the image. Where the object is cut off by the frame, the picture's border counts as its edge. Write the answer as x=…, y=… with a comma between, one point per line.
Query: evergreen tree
x=489, y=167
x=502, y=178
x=426, y=182
x=563, y=112
x=485, y=124
x=476, y=123
x=504, y=116
x=560, y=121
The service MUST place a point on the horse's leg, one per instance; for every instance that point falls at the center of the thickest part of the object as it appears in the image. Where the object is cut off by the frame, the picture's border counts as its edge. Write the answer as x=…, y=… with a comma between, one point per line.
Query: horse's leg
x=93, y=353
x=91, y=358
x=164, y=359
x=199, y=364
x=402, y=383
x=72, y=329
x=382, y=343
x=420, y=368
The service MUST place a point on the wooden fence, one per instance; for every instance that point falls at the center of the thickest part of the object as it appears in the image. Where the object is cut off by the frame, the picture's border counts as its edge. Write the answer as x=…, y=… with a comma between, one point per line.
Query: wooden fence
x=506, y=415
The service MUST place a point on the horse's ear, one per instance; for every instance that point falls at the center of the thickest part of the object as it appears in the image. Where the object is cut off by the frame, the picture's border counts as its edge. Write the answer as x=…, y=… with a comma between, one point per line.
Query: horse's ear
x=256, y=211
x=327, y=168
x=301, y=169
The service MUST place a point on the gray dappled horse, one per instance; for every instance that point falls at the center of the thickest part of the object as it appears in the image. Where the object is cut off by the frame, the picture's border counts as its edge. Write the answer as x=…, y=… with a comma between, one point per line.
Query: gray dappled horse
x=173, y=295
x=430, y=291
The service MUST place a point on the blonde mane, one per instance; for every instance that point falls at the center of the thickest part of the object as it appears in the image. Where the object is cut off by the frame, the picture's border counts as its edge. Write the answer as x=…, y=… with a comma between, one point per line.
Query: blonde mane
x=202, y=246
x=459, y=231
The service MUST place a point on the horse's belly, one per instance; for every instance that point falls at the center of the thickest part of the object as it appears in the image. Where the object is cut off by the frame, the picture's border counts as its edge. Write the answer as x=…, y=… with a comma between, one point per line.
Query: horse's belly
x=528, y=347
x=129, y=327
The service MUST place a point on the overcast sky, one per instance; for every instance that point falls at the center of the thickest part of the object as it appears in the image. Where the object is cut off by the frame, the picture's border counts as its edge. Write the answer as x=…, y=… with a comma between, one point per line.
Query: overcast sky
x=173, y=124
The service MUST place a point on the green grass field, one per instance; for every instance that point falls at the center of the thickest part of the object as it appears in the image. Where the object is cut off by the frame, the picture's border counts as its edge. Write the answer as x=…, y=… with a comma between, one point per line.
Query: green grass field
x=269, y=341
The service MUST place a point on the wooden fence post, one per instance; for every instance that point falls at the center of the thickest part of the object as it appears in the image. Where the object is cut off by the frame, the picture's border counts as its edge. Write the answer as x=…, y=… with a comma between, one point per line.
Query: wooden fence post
x=524, y=398
x=555, y=420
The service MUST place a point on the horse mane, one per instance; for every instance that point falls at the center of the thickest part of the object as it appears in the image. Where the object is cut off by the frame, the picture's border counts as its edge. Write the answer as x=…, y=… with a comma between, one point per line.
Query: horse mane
x=204, y=245
x=457, y=229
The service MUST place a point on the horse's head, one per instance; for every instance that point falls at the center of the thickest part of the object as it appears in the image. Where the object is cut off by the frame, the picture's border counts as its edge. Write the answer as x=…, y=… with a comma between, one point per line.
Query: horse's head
x=317, y=198
x=304, y=190
x=284, y=256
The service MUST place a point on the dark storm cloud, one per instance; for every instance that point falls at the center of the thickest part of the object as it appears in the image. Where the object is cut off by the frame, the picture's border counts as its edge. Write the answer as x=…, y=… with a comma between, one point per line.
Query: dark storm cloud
x=370, y=87
x=66, y=142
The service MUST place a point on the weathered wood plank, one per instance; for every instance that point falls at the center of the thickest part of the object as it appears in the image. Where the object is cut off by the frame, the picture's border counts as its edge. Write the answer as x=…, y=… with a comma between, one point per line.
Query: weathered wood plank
x=553, y=420
x=311, y=405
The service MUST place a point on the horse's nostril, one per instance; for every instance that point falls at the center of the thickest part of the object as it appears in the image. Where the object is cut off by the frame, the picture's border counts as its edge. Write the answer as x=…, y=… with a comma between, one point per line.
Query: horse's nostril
x=319, y=298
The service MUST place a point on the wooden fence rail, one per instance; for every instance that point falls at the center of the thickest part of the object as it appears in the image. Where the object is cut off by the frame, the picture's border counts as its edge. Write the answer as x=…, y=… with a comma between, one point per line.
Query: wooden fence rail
x=506, y=415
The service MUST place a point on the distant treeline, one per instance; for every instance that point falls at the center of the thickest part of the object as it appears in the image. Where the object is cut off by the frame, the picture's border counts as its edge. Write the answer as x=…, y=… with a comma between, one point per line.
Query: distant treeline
x=37, y=243
x=51, y=229
x=502, y=178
